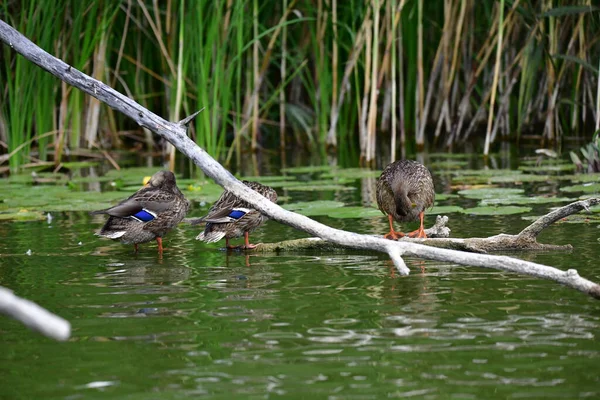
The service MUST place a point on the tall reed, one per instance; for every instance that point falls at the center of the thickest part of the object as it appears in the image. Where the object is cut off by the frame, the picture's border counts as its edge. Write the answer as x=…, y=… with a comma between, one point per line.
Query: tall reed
x=356, y=74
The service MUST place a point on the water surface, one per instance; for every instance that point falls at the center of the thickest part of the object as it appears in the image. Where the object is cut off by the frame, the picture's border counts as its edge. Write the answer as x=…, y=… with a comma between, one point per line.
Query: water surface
x=201, y=322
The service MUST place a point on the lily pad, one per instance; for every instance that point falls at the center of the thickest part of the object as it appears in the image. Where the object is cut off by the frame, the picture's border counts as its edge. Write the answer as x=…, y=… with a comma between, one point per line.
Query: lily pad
x=352, y=173
x=445, y=196
x=445, y=210
x=354, y=212
x=319, y=207
x=308, y=169
x=320, y=185
x=504, y=210
x=581, y=178
x=584, y=187
x=523, y=200
x=549, y=168
x=490, y=193
x=451, y=155
x=266, y=179
x=520, y=178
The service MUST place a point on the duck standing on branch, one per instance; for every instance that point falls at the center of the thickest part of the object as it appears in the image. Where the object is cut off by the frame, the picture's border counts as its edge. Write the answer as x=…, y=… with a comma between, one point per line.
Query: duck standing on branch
x=404, y=191
x=231, y=217
x=148, y=214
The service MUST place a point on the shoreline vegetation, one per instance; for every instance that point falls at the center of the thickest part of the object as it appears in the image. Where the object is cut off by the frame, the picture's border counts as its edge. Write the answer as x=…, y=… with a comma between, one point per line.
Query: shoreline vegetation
x=357, y=76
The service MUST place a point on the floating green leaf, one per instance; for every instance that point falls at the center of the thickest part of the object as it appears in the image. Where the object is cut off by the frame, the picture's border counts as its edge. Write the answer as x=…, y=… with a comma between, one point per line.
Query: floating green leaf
x=266, y=179
x=445, y=196
x=448, y=164
x=523, y=200
x=548, y=168
x=490, y=193
x=308, y=169
x=318, y=207
x=445, y=210
x=584, y=187
x=352, y=173
x=505, y=210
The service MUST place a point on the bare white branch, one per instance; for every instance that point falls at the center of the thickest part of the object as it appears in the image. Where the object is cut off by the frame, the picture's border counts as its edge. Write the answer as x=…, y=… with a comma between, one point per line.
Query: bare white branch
x=33, y=316
x=176, y=135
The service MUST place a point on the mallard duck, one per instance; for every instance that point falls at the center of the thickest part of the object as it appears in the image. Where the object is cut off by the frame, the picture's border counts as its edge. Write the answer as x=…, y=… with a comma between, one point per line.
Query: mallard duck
x=404, y=191
x=148, y=214
x=231, y=217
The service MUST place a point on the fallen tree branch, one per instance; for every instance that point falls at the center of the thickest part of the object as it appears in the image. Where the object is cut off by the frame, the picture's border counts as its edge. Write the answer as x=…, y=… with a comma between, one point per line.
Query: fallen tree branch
x=176, y=134
x=33, y=316
x=437, y=236
x=438, y=230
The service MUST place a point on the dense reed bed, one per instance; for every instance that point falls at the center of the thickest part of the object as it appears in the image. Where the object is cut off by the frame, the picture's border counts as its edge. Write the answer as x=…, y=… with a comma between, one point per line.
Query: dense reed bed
x=362, y=75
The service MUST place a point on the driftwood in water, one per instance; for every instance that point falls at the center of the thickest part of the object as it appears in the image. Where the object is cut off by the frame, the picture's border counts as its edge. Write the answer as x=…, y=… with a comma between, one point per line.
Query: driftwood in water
x=438, y=236
x=176, y=134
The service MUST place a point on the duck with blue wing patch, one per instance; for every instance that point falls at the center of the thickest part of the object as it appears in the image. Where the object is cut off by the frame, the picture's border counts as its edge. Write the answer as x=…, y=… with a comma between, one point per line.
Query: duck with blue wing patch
x=148, y=214
x=231, y=217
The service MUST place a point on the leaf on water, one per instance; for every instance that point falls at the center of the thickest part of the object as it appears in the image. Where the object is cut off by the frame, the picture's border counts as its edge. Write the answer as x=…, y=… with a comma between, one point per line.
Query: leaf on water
x=320, y=185
x=332, y=209
x=355, y=212
x=520, y=178
x=523, y=200
x=448, y=164
x=460, y=156
x=485, y=172
x=504, y=210
x=581, y=178
x=549, y=168
x=490, y=193
x=266, y=179
x=445, y=196
x=584, y=187
x=352, y=173
x=308, y=169
x=318, y=207
x=445, y=210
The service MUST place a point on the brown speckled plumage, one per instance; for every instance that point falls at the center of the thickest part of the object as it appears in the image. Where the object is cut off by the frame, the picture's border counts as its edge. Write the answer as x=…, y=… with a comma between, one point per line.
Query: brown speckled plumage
x=220, y=224
x=404, y=191
x=162, y=206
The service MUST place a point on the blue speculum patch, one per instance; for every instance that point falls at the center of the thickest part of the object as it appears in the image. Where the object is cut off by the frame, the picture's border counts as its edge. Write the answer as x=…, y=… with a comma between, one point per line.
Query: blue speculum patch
x=237, y=214
x=144, y=216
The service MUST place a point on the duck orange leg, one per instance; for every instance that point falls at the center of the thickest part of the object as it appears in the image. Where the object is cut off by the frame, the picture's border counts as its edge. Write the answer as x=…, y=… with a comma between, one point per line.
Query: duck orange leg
x=135, y=248
x=247, y=244
x=392, y=234
x=159, y=242
x=419, y=233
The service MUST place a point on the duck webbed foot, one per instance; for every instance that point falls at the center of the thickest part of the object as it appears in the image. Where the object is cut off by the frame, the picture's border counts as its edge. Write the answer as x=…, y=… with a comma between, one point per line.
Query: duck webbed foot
x=419, y=233
x=247, y=245
x=393, y=235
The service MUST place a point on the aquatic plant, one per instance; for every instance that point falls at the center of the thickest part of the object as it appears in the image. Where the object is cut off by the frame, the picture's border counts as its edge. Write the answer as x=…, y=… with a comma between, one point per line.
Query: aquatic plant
x=375, y=75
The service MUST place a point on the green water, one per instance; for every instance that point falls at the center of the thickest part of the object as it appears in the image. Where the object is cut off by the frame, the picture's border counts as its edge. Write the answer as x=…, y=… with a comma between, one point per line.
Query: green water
x=204, y=323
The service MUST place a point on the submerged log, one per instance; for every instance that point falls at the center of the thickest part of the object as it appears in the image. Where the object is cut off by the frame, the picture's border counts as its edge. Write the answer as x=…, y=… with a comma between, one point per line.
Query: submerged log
x=176, y=134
